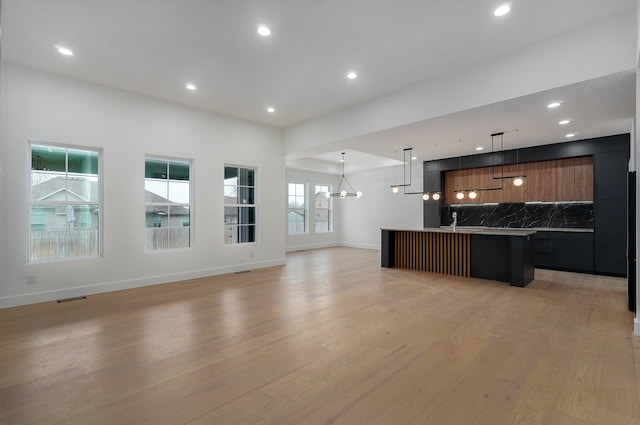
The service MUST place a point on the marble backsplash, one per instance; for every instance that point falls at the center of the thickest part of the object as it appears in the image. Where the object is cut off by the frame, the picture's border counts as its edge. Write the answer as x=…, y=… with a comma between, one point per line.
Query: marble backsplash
x=554, y=215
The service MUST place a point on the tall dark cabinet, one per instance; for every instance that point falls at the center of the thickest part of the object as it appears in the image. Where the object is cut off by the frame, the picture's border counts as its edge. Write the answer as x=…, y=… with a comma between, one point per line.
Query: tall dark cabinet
x=610, y=211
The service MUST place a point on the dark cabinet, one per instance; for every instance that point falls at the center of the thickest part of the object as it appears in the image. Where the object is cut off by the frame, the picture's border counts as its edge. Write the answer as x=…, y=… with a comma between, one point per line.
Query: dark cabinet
x=432, y=181
x=569, y=251
x=543, y=250
x=431, y=211
x=611, y=236
x=610, y=212
x=431, y=208
x=610, y=175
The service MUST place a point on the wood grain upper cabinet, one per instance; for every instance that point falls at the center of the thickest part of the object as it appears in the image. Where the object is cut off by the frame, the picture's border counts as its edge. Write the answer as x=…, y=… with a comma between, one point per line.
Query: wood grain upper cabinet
x=510, y=191
x=569, y=179
x=574, y=179
x=540, y=184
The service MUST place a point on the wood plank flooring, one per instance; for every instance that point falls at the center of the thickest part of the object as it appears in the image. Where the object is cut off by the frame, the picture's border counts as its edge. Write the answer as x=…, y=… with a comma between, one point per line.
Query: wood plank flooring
x=330, y=338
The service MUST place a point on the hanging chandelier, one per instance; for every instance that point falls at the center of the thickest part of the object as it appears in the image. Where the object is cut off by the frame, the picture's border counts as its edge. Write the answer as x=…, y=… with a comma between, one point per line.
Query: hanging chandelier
x=344, y=184
x=396, y=187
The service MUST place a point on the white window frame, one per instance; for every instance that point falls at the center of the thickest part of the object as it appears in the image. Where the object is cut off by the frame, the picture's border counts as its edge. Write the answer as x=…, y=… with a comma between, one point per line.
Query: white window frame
x=304, y=209
x=329, y=209
x=169, y=204
x=31, y=202
x=231, y=229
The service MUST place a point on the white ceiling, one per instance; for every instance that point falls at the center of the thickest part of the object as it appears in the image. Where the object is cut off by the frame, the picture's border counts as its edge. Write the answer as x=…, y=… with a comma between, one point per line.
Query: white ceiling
x=153, y=47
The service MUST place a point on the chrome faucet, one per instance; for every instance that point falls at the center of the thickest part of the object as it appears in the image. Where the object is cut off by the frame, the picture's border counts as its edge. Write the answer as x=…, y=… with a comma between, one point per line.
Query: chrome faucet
x=454, y=217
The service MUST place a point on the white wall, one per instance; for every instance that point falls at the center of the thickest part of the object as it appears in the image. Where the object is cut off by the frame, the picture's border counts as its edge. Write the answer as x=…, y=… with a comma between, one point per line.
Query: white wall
x=311, y=239
x=43, y=107
x=361, y=219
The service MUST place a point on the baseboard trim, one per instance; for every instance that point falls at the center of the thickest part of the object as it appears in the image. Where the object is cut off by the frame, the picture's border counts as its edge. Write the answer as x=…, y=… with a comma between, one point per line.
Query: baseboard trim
x=360, y=245
x=295, y=248
x=100, y=288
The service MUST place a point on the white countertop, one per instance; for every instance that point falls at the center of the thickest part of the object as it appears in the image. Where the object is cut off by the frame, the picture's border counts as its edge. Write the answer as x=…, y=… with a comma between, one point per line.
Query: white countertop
x=473, y=230
x=520, y=229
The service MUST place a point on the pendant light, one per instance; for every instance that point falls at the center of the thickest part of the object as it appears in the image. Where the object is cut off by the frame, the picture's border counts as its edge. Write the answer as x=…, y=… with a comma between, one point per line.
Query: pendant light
x=344, y=184
x=518, y=178
x=407, y=152
x=473, y=193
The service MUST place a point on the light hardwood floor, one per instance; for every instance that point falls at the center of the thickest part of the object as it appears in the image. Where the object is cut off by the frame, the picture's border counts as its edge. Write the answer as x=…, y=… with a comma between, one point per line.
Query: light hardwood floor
x=330, y=338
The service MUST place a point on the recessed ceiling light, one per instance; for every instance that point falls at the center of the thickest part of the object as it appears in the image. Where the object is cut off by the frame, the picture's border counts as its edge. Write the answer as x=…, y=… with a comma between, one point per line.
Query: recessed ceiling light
x=568, y=135
x=479, y=148
x=502, y=10
x=352, y=75
x=564, y=122
x=271, y=109
x=554, y=105
x=264, y=31
x=190, y=86
x=65, y=51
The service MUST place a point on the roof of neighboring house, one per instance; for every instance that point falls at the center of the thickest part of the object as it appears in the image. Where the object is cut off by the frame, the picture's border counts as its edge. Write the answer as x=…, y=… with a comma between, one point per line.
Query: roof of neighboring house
x=81, y=190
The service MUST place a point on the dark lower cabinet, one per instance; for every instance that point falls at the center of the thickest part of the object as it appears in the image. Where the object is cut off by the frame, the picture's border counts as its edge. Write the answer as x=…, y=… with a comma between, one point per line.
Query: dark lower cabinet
x=569, y=251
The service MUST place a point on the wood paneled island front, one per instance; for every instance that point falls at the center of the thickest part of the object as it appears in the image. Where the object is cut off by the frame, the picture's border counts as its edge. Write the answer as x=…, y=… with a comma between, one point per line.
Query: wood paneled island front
x=496, y=254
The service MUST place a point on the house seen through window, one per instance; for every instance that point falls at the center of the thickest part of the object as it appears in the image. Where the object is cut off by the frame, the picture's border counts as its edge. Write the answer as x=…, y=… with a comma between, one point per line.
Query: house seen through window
x=239, y=205
x=297, y=208
x=323, y=207
x=65, y=202
x=168, y=205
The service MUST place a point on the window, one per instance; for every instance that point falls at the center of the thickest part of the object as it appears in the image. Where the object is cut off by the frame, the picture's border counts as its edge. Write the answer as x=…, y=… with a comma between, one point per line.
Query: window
x=239, y=205
x=323, y=209
x=297, y=212
x=167, y=194
x=65, y=203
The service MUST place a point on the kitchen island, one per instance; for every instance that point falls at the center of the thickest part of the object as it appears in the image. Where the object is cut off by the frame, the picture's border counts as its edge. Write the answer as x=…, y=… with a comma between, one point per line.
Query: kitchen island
x=497, y=254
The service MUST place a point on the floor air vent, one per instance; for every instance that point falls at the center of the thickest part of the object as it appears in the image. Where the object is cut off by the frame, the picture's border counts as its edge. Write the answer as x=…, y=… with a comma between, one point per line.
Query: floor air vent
x=72, y=299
